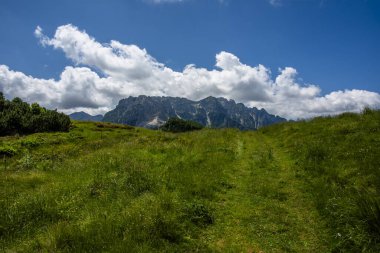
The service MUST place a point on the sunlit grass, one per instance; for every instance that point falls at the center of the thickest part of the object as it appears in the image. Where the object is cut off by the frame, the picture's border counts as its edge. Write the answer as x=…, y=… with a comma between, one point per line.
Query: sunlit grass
x=305, y=186
x=339, y=157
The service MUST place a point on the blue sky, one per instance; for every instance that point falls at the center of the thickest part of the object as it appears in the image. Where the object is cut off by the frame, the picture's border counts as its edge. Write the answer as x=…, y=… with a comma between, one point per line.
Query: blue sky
x=332, y=44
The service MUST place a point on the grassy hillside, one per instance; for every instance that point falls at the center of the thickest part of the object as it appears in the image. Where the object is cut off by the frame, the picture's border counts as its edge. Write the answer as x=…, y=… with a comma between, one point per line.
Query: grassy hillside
x=339, y=158
x=294, y=187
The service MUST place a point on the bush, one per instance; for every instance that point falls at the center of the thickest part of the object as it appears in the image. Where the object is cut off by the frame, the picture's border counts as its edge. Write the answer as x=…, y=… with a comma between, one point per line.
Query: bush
x=177, y=125
x=7, y=151
x=18, y=117
x=368, y=111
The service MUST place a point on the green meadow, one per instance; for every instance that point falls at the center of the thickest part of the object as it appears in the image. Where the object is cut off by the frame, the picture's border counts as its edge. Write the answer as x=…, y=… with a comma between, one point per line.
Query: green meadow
x=309, y=186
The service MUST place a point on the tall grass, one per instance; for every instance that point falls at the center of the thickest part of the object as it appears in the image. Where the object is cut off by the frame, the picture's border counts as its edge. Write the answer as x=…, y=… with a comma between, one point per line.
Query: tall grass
x=114, y=188
x=111, y=189
x=341, y=160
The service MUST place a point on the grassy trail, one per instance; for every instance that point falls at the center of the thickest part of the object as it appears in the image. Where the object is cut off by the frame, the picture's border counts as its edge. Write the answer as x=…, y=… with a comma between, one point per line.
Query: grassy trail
x=267, y=208
x=111, y=188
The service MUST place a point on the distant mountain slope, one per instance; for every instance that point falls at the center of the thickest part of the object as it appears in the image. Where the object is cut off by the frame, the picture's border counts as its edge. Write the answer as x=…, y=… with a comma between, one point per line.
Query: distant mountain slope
x=85, y=116
x=152, y=112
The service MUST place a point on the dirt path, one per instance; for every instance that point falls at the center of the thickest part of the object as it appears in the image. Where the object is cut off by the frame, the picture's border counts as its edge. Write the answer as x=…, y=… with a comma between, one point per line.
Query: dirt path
x=266, y=208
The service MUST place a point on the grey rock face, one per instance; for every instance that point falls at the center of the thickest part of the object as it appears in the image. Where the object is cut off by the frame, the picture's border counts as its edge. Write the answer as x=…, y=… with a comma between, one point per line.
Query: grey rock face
x=152, y=112
x=85, y=116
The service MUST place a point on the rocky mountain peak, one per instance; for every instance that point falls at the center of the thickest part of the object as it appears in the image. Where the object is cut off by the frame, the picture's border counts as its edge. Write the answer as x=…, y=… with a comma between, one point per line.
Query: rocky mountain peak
x=152, y=112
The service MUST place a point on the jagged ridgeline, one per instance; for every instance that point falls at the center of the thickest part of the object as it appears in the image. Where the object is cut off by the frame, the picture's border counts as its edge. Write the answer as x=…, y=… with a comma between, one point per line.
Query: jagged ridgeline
x=153, y=112
x=82, y=116
x=18, y=117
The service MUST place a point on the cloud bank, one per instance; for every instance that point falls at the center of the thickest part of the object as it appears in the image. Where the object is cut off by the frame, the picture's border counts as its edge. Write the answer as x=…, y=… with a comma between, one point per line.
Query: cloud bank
x=127, y=70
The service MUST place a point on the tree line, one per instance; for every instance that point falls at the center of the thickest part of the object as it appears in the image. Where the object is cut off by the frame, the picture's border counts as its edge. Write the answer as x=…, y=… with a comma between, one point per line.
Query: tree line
x=18, y=117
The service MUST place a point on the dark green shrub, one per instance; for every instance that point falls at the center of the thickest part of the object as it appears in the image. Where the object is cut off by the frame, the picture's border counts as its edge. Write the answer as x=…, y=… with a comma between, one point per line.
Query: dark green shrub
x=18, y=117
x=7, y=151
x=177, y=125
x=368, y=111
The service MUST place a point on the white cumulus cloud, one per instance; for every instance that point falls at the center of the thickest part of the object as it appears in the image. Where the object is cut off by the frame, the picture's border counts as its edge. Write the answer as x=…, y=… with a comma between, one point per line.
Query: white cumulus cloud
x=128, y=70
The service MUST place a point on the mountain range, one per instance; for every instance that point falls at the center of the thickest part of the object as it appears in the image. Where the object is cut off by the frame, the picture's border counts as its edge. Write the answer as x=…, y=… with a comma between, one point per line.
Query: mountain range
x=152, y=112
x=85, y=116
